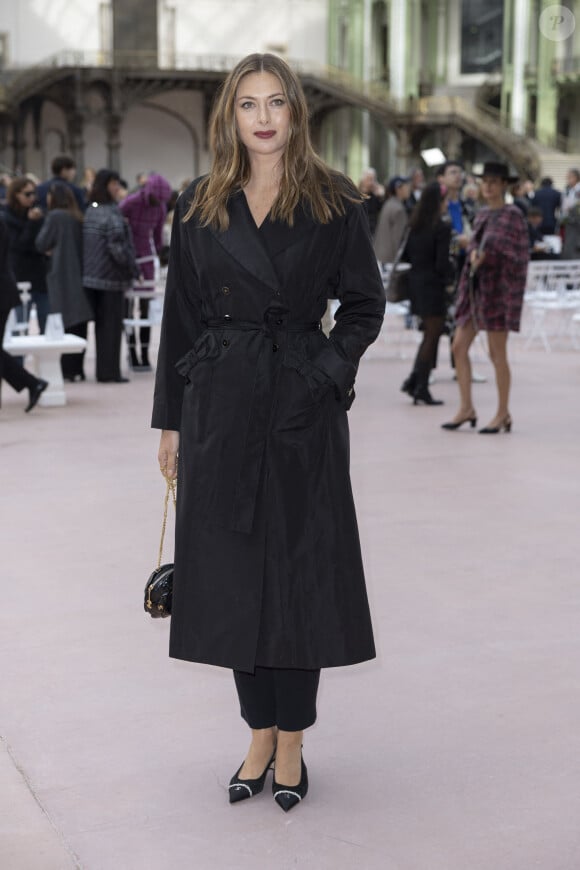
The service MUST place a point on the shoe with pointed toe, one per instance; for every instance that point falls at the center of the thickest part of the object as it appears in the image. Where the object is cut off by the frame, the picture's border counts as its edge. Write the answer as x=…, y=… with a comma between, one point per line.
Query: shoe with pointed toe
x=35, y=393
x=451, y=427
x=241, y=789
x=287, y=796
x=504, y=425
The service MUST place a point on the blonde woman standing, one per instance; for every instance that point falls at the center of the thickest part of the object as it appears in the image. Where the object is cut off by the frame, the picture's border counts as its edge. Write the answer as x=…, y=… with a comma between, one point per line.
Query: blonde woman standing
x=252, y=399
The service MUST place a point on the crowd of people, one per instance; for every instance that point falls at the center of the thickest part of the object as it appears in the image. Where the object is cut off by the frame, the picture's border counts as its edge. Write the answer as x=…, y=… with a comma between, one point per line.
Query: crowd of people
x=467, y=239
x=81, y=248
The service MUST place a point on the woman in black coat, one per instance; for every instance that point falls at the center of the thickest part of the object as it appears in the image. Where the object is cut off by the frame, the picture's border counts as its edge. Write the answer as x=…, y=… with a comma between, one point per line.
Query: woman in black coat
x=268, y=574
x=23, y=221
x=109, y=268
x=62, y=238
x=427, y=251
x=10, y=369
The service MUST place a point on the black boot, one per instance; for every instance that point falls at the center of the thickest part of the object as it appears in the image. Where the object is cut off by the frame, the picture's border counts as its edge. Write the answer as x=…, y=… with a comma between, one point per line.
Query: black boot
x=421, y=393
x=408, y=385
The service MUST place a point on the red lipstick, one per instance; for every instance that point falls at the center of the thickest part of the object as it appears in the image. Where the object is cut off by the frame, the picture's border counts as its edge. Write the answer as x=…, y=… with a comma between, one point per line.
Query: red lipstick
x=265, y=134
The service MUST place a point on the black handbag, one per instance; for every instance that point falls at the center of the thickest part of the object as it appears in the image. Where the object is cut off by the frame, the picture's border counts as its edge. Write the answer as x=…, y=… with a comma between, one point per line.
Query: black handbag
x=159, y=586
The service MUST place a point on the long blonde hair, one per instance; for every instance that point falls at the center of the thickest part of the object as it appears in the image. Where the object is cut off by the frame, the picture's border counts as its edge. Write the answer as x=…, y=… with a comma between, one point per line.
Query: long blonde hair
x=305, y=177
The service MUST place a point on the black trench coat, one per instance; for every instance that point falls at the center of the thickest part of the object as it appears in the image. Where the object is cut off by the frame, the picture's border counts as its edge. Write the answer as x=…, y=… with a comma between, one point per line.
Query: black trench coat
x=268, y=569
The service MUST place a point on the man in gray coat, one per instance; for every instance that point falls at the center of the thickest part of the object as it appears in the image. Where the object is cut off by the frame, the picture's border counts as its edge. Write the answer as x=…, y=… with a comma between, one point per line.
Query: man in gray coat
x=392, y=220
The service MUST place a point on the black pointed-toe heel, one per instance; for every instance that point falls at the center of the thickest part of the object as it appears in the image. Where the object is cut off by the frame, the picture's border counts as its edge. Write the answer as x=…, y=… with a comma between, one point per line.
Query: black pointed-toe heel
x=505, y=425
x=240, y=789
x=287, y=796
x=451, y=427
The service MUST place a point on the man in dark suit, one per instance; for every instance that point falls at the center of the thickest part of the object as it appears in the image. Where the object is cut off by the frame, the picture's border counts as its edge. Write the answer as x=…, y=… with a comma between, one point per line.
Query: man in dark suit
x=548, y=200
x=64, y=170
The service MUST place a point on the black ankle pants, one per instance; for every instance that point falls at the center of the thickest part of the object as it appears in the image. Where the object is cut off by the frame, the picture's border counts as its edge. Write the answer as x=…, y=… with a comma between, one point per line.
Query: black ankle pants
x=285, y=697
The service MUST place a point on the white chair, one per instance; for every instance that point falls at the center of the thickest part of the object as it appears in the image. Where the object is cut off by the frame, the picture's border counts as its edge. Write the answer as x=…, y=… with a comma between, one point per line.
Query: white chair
x=552, y=296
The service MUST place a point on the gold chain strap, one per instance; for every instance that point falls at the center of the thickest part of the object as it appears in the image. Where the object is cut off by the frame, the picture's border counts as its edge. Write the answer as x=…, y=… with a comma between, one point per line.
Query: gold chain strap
x=170, y=489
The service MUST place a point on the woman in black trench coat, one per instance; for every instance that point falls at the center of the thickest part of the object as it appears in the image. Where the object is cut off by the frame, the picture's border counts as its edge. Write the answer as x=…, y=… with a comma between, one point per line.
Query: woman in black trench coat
x=253, y=397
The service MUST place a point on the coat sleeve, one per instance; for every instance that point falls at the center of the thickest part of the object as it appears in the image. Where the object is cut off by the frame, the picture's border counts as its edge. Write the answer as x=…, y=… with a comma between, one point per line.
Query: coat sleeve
x=180, y=327
x=362, y=306
x=442, y=263
x=158, y=229
x=47, y=237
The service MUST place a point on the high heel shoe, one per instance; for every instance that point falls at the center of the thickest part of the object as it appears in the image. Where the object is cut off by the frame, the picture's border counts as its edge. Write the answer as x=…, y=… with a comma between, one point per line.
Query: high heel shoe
x=240, y=789
x=505, y=424
x=287, y=796
x=472, y=420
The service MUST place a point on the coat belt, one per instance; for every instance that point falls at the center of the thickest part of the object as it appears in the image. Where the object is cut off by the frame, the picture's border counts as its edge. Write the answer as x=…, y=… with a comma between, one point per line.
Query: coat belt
x=266, y=326
x=262, y=407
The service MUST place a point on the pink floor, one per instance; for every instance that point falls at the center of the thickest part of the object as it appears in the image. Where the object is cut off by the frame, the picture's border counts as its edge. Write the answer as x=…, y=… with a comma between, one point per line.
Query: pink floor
x=457, y=749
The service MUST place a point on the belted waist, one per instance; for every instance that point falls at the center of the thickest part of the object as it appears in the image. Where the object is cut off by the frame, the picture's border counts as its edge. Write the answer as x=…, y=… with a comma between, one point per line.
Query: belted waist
x=248, y=325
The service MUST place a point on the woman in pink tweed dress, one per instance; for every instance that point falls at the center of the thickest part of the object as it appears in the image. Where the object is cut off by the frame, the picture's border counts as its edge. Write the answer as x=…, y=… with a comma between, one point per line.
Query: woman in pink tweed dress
x=490, y=295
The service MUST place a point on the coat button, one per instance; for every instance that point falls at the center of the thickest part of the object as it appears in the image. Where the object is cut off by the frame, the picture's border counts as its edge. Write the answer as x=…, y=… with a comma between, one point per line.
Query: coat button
x=225, y=342
x=277, y=293
x=226, y=291
x=274, y=348
x=350, y=392
x=279, y=322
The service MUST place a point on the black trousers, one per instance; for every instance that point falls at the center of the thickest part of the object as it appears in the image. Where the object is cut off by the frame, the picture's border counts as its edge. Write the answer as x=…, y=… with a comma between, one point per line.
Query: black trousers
x=108, y=306
x=72, y=364
x=285, y=697
x=144, y=331
x=11, y=370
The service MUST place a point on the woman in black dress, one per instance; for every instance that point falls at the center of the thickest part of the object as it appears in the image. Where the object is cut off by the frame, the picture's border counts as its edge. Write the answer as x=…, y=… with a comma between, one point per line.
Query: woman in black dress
x=268, y=576
x=427, y=251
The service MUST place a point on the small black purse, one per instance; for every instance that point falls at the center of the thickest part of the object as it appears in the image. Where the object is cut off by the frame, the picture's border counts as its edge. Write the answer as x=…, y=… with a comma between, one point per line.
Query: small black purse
x=159, y=586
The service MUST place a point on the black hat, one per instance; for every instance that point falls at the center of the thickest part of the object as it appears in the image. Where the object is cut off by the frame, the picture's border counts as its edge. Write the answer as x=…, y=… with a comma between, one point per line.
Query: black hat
x=500, y=170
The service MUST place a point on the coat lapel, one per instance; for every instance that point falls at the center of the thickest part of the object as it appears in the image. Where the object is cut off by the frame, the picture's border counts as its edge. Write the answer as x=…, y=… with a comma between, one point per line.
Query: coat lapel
x=242, y=241
x=280, y=236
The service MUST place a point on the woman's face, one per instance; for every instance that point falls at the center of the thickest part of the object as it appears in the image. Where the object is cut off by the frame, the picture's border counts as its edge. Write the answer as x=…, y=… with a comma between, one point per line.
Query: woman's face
x=493, y=187
x=262, y=114
x=26, y=196
x=114, y=189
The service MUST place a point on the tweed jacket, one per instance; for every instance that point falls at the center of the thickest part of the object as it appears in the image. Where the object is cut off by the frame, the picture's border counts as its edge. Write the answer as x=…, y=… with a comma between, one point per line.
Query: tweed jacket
x=496, y=303
x=108, y=251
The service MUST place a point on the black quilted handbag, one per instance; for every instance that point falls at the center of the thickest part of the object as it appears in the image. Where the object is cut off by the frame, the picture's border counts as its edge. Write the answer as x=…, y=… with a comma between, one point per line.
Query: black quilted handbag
x=159, y=586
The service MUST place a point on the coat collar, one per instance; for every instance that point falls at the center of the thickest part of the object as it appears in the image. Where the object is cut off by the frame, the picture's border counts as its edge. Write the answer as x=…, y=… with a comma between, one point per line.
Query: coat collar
x=242, y=240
